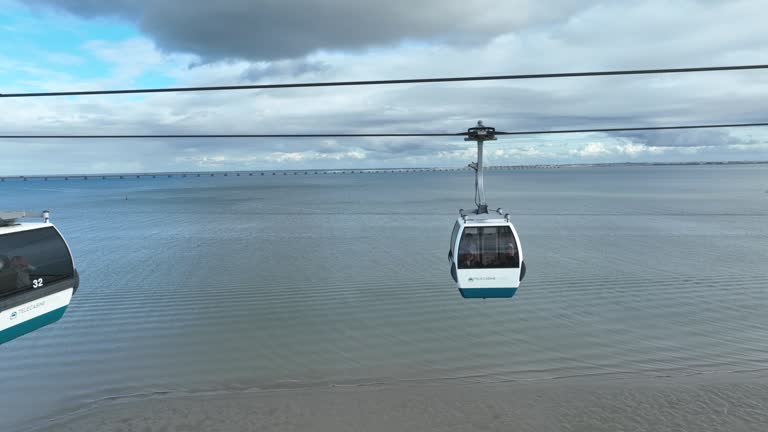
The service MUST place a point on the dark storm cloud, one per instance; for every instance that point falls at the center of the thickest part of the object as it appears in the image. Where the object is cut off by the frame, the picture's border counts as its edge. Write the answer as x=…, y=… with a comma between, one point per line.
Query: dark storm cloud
x=410, y=148
x=280, y=29
x=686, y=138
x=284, y=68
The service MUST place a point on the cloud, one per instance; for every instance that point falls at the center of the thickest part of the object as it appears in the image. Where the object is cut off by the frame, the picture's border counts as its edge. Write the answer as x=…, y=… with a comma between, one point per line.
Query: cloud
x=143, y=56
x=278, y=29
x=516, y=154
x=602, y=149
x=592, y=149
x=387, y=148
x=314, y=156
x=550, y=37
x=686, y=138
x=284, y=68
x=248, y=159
x=634, y=150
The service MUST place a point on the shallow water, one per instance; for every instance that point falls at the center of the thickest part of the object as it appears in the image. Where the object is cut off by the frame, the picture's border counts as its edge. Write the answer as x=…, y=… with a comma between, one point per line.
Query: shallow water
x=230, y=283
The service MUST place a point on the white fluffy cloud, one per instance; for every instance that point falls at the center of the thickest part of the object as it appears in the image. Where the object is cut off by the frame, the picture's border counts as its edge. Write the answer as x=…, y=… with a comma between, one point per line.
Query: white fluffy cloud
x=313, y=156
x=602, y=149
x=634, y=150
x=593, y=149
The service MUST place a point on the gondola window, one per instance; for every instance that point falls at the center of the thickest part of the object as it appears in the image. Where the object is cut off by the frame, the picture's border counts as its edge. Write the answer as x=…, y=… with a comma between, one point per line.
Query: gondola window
x=488, y=247
x=32, y=259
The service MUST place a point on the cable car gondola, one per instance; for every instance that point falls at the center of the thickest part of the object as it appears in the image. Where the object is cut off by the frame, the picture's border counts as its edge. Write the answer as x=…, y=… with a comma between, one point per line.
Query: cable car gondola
x=486, y=256
x=37, y=275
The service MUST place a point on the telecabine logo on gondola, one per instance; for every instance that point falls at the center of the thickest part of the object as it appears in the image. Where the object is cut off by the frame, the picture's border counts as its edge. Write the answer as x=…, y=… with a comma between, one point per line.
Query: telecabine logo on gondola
x=27, y=309
x=484, y=278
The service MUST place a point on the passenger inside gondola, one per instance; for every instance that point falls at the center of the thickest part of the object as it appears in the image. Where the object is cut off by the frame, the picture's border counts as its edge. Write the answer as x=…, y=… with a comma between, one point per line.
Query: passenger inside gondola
x=7, y=276
x=510, y=258
x=468, y=251
x=22, y=268
x=36, y=255
x=488, y=247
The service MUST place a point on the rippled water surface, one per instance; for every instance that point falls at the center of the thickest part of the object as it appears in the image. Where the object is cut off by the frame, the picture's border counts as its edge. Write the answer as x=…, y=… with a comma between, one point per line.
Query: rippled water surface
x=214, y=284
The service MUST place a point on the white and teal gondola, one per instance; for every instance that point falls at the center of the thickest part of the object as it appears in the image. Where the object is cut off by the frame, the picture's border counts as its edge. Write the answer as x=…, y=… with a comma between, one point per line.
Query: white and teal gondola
x=37, y=275
x=486, y=256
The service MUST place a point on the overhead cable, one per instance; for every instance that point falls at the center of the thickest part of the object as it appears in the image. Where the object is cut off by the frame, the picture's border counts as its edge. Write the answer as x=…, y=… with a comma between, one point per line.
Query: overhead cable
x=392, y=135
x=386, y=82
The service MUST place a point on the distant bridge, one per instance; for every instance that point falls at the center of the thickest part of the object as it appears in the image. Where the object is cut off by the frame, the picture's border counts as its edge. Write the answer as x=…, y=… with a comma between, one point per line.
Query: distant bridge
x=195, y=174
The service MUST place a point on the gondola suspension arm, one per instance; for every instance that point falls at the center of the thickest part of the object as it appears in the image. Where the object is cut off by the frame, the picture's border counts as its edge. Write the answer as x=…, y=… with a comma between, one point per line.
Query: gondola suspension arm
x=480, y=134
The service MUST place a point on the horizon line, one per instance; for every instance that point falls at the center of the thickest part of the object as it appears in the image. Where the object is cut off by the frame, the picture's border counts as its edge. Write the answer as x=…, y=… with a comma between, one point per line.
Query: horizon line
x=317, y=171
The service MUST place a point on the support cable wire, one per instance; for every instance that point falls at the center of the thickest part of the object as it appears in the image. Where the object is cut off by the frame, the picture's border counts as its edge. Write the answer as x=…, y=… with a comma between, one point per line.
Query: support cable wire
x=393, y=135
x=388, y=82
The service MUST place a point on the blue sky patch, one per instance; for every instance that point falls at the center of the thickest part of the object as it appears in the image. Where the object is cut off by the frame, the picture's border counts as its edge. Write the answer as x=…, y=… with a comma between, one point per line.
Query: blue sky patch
x=39, y=46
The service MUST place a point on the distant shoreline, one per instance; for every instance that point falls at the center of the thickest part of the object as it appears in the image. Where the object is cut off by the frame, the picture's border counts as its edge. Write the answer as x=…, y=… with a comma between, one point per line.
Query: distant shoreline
x=253, y=173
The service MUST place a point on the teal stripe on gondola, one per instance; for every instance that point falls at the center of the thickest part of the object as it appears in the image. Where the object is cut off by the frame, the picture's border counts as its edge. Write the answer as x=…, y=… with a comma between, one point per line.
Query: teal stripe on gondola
x=31, y=325
x=487, y=292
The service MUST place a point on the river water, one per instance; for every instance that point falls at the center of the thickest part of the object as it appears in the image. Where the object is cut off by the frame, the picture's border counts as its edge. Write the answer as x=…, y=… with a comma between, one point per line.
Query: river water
x=227, y=284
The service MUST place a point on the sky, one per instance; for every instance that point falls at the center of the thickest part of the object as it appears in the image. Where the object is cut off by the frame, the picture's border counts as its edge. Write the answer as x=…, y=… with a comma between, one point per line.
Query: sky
x=61, y=45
